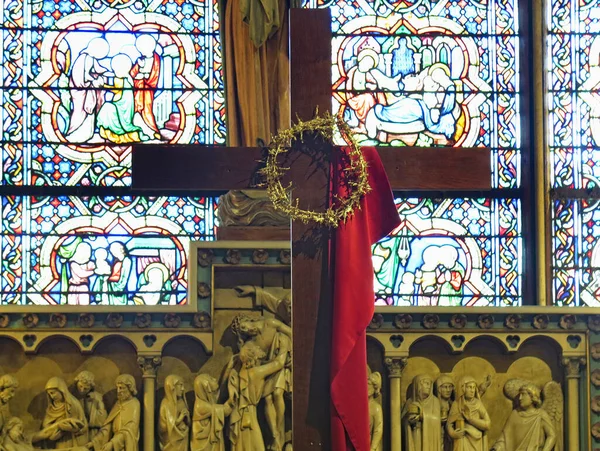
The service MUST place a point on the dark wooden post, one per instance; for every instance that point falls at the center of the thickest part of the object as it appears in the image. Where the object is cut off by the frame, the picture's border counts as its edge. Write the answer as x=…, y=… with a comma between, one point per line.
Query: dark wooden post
x=310, y=60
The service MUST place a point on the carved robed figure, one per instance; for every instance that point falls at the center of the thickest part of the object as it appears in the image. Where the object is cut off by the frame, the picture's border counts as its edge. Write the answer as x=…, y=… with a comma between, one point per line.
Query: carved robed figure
x=174, y=418
x=208, y=421
x=421, y=417
x=64, y=424
x=468, y=420
x=121, y=430
x=530, y=427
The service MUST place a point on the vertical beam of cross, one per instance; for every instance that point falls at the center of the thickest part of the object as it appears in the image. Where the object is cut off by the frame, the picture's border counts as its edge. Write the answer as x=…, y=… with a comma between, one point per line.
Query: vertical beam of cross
x=310, y=69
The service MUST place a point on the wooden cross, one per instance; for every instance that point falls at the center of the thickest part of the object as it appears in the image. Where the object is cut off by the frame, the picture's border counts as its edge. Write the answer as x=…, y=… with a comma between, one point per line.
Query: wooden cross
x=219, y=169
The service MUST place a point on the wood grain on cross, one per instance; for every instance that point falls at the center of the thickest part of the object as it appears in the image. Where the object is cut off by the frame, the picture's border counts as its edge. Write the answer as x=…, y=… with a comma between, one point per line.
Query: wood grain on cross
x=219, y=169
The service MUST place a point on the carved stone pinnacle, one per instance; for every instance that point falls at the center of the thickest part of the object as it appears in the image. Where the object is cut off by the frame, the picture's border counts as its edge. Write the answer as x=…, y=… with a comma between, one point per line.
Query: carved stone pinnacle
x=395, y=365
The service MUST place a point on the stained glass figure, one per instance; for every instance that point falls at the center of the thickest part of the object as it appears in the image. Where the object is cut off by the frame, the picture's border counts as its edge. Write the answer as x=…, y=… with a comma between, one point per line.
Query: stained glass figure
x=430, y=73
x=437, y=73
x=95, y=76
x=100, y=250
x=83, y=80
x=451, y=252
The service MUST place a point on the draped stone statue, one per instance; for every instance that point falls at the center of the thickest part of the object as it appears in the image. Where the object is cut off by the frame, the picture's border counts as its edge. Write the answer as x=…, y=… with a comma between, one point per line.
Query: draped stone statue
x=208, y=420
x=174, y=418
x=64, y=424
x=92, y=402
x=421, y=417
x=13, y=436
x=8, y=386
x=246, y=387
x=121, y=430
x=445, y=389
x=375, y=412
x=274, y=339
x=531, y=425
x=468, y=420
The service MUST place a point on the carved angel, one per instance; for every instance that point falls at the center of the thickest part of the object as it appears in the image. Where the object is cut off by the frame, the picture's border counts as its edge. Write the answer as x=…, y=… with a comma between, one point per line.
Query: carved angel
x=533, y=424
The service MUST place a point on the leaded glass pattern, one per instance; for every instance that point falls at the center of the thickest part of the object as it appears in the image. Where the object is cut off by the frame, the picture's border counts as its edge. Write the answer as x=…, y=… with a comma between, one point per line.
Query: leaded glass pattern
x=84, y=80
x=430, y=73
x=573, y=54
x=576, y=252
x=438, y=73
x=100, y=250
x=81, y=82
x=451, y=252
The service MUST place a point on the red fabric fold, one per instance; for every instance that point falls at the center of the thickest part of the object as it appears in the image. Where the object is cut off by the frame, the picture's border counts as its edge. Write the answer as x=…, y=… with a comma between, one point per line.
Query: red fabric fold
x=353, y=305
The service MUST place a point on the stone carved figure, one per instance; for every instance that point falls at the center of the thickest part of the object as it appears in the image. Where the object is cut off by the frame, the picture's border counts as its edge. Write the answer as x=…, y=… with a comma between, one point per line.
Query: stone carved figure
x=274, y=339
x=531, y=426
x=121, y=430
x=421, y=417
x=8, y=386
x=93, y=406
x=174, y=418
x=375, y=412
x=468, y=420
x=64, y=424
x=13, y=436
x=280, y=307
x=208, y=420
x=246, y=388
x=445, y=390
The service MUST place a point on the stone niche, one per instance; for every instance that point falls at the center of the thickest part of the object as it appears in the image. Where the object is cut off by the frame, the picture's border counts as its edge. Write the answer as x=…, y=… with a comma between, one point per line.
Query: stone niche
x=183, y=363
x=517, y=375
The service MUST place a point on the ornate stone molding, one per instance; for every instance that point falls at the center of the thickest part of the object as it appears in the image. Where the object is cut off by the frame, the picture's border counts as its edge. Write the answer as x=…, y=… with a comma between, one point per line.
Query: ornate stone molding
x=573, y=366
x=395, y=366
x=149, y=365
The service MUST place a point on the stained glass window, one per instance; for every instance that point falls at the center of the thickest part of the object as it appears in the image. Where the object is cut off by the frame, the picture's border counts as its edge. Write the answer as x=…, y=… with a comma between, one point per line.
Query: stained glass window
x=451, y=252
x=100, y=250
x=83, y=80
x=434, y=73
x=574, y=143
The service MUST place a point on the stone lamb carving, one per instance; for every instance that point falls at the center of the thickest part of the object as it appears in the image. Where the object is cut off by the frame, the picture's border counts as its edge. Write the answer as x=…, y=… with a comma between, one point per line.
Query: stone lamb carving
x=121, y=430
x=532, y=424
x=375, y=412
x=247, y=387
x=174, y=418
x=421, y=417
x=468, y=420
x=274, y=340
x=64, y=424
x=8, y=386
x=208, y=420
x=93, y=406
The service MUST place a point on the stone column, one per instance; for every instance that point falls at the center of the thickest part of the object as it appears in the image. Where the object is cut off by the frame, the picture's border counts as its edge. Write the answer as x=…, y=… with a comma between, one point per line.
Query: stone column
x=395, y=366
x=149, y=365
x=572, y=367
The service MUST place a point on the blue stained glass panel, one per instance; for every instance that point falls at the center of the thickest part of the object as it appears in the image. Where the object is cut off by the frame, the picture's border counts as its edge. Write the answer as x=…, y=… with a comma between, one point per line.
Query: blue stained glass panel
x=430, y=73
x=451, y=252
x=100, y=250
x=83, y=81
